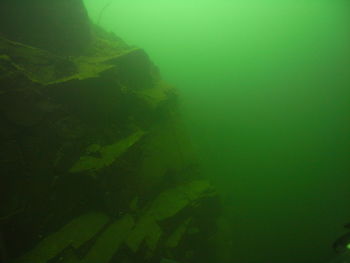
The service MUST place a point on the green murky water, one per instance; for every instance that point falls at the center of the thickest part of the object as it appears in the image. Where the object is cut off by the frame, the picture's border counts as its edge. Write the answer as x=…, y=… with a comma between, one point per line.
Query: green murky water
x=265, y=92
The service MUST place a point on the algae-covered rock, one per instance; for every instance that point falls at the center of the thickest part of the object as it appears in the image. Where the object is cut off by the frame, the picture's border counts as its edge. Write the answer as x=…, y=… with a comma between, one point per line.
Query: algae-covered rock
x=109, y=241
x=74, y=234
x=157, y=95
x=37, y=64
x=170, y=202
x=106, y=155
x=46, y=68
x=167, y=204
x=175, y=237
x=146, y=230
x=168, y=154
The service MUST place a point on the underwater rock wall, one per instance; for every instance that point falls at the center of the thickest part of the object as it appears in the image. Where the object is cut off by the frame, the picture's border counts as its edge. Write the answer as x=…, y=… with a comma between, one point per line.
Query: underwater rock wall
x=95, y=162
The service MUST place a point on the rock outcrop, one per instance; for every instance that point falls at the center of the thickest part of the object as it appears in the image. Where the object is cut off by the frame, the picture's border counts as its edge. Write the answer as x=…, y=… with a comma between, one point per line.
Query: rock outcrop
x=95, y=162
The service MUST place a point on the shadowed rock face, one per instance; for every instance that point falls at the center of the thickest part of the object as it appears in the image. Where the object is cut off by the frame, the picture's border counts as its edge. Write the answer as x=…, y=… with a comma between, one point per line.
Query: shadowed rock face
x=61, y=27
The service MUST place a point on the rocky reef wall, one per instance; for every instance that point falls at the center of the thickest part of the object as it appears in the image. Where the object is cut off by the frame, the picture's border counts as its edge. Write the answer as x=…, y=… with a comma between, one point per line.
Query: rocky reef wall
x=95, y=163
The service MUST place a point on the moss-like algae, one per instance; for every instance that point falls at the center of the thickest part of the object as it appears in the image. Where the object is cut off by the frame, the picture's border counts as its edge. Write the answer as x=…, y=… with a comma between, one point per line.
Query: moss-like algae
x=156, y=95
x=46, y=68
x=74, y=234
x=109, y=241
x=176, y=236
x=166, y=205
x=107, y=154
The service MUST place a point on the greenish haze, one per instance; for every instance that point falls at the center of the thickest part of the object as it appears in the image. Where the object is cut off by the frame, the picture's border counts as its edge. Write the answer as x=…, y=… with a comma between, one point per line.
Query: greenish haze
x=265, y=92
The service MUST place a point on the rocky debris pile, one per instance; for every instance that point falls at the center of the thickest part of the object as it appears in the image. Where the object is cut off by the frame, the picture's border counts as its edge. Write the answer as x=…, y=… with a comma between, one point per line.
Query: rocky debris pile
x=95, y=162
